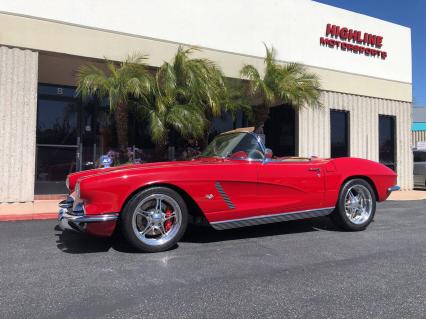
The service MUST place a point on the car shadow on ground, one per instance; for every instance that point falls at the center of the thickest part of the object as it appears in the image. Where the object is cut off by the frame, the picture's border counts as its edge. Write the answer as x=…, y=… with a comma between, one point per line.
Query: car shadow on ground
x=80, y=243
x=207, y=234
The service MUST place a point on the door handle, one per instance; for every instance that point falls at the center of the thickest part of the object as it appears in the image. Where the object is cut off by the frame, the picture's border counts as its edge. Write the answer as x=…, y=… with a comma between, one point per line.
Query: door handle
x=314, y=169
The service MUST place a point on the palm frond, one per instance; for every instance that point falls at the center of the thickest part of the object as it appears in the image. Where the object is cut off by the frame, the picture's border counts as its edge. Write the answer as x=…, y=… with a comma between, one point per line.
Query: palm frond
x=252, y=74
x=91, y=81
x=298, y=86
x=289, y=83
x=188, y=120
x=157, y=128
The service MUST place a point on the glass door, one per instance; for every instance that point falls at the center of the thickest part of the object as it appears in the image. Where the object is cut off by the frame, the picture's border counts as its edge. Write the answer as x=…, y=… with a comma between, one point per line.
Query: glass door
x=96, y=132
x=58, y=139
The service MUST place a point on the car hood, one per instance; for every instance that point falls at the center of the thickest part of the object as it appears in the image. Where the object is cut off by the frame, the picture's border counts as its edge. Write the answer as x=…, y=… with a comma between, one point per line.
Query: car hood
x=74, y=177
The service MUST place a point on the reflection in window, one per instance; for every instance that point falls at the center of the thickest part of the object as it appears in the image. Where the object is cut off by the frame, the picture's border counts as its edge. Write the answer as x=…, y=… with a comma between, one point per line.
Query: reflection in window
x=280, y=130
x=227, y=122
x=339, y=133
x=387, y=141
x=57, y=115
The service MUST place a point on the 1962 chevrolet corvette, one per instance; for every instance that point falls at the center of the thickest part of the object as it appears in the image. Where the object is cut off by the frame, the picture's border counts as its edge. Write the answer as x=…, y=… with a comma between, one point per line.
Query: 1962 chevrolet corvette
x=236, y=182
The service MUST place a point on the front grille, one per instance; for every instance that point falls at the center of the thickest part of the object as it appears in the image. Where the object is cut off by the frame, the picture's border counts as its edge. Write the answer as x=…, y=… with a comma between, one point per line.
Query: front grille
x=78, y=209
x=72, y=209
x=67, y=203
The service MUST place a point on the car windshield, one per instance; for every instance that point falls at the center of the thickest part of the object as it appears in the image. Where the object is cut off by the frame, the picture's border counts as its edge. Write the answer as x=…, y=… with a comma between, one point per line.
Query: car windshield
x=238, y=145
x=419, y=156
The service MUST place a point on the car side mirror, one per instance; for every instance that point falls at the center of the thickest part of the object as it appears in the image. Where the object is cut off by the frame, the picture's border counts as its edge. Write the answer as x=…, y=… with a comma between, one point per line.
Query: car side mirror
x=268, y=153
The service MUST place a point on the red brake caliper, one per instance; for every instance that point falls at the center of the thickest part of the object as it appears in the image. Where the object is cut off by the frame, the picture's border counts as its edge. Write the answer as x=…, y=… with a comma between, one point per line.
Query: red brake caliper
x=169, y=222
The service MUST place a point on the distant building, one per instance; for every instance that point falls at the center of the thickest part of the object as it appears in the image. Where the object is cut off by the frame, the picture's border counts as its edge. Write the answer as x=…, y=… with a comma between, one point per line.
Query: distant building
x=419, y=126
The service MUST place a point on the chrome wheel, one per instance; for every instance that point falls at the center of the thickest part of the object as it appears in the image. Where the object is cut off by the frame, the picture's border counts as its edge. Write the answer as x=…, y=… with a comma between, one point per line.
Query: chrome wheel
x=157, y=219
x=358, y=204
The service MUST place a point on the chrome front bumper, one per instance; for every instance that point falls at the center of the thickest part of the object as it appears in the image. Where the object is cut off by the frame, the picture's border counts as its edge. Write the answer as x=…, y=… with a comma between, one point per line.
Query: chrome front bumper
x=73, y=216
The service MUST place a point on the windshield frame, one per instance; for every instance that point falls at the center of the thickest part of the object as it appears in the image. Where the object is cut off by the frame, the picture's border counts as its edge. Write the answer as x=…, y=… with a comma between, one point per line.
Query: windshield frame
x=254, y=135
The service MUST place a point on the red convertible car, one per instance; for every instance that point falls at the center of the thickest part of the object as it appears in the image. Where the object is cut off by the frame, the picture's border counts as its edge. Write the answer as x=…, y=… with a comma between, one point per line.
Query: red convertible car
x=235, y=182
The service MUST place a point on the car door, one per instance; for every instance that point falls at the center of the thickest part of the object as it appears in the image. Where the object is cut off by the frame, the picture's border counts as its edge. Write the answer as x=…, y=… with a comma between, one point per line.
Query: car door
x=235, y=189
x=291, y=186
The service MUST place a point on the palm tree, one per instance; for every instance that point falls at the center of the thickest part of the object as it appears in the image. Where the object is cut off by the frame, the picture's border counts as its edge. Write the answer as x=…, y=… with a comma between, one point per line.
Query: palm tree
x=162, y=116
x=289, y=83
x=187, y=94
x=123, y=81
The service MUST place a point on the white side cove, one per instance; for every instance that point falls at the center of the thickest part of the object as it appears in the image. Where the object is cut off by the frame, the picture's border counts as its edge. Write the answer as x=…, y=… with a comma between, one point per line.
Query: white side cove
x=18, y=109
x=294, y=27
x=314, y=130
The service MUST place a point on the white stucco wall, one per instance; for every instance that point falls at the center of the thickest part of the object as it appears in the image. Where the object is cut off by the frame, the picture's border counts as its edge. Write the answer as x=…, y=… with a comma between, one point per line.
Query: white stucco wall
x=239, y=26
x=314, y=130
x=18, y=109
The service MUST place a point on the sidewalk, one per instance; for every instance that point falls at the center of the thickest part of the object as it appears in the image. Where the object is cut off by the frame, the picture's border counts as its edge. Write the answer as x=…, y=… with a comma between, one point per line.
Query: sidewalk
x=48, y=209
x=38, y=209
x=408, y=195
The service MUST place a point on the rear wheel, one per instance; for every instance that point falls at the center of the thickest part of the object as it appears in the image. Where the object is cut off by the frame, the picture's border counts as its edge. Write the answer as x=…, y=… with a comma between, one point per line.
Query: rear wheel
x=356, y=205
x=155, y=219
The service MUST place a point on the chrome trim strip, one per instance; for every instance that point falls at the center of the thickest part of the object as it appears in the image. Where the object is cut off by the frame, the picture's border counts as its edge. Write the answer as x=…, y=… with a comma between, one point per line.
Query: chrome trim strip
x=224, y=196
x=259, y=141
x=87, y=218
x=273, y=218
x=393, y=189
x=67, y=203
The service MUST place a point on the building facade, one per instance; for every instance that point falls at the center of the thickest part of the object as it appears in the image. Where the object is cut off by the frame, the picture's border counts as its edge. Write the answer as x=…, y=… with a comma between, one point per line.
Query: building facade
x=46, y=131
x=419, y=127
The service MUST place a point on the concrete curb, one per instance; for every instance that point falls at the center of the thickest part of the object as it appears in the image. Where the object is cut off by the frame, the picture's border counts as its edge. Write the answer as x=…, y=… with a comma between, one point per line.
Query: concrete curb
x=37, y=209
x=17, y=217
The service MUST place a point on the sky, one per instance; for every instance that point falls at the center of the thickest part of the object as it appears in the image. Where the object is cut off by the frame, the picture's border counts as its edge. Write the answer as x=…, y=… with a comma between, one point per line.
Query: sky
x=409, y=13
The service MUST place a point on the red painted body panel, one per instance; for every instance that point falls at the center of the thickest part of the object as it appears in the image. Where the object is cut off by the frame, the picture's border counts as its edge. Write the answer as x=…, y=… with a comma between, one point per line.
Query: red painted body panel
x=291, y=186
x=253, y=187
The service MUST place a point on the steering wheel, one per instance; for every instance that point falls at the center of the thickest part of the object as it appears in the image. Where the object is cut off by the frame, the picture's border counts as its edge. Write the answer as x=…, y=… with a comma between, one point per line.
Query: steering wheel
x=256, y=154
x=239, y=155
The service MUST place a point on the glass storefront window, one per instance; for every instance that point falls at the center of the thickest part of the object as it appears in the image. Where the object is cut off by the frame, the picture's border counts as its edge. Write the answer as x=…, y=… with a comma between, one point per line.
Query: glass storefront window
x=57, y=121
x=71, y=135
x=53, y=166
x=339, y=133
x=280, y=130
x=387, y=141
x=57, y=136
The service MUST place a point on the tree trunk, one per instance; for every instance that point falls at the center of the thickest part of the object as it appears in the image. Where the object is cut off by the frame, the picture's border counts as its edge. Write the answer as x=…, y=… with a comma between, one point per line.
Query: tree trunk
x=121, y=122
x=261, y=114
x=204, y=140
x=160, y=152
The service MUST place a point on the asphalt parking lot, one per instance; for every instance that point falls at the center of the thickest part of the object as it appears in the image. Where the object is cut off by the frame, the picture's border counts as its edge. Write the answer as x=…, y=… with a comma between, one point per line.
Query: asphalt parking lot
x=305, y=269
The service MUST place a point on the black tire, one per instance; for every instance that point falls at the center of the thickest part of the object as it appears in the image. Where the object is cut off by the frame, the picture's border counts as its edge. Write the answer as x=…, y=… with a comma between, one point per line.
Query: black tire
x=339, y=215
x=127, y=219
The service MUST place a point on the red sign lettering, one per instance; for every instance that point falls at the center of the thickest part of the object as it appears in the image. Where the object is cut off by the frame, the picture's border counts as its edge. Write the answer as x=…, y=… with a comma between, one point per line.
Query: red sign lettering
x=352, y=40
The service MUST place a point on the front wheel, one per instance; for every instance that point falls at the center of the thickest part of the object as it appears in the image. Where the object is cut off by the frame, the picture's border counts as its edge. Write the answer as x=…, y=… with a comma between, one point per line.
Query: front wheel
x=154, y=219
x=356, y=205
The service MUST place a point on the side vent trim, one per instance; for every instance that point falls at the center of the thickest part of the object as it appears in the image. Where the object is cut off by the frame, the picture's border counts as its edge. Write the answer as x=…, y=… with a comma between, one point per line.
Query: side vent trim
x=224, y=196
